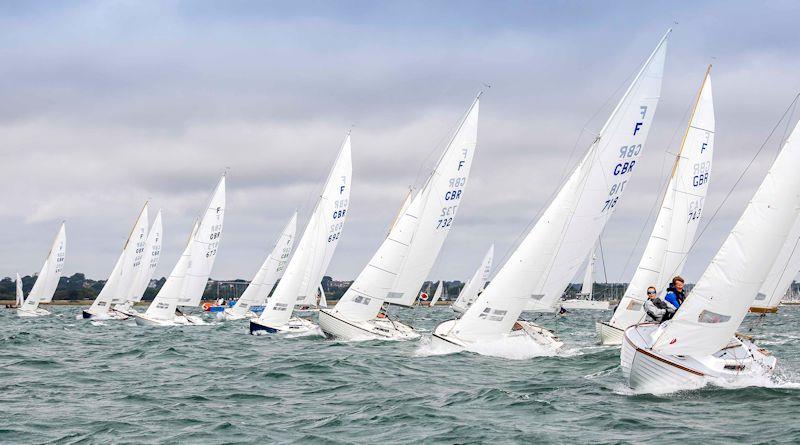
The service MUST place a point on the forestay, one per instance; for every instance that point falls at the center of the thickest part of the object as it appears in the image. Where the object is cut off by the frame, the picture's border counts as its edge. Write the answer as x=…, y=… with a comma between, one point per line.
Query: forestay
x=548, y=257
x=120, y=282
x=714, y=309
x=315, y=249
x=475, y=284
x=47, y=280
x=781, y=274
x=398, y=268
x=679, y=216
x=204, y=250
x=270, y=272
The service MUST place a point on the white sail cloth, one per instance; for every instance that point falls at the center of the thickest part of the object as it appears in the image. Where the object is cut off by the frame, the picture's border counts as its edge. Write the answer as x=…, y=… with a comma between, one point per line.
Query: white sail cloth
x=317, y=244
x=475, y=284
x=20, y=295
x=47, y=280
x=588, y=276
x=150, y=257
x=398, y=268
x=680, y=213
x=270, y=272
x=438, y=293
x=782, y=273
x=548, y=257
x=717, y=304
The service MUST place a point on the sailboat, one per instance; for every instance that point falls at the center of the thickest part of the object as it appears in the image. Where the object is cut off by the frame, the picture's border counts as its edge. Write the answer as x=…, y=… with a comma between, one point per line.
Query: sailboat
x=584, y=298
x=780, y=277
x=47, y=280
x=700, y=344
x=313, y=254
x=403, y=261
x=437, y=294
x=475, y=285
x=150, y=257
x=677, y=220
x=270, y=272
x=189, y=277
x=20, y=297
x=550, y=254
x=123, y=275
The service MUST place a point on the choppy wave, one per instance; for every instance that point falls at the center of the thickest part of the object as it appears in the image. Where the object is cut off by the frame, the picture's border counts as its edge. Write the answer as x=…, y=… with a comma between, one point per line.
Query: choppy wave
x=76, y=381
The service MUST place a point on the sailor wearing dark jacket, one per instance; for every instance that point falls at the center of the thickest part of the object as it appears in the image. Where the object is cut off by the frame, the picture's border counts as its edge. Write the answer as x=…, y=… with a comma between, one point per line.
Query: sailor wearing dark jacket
x=675, y=295
x=654, y=307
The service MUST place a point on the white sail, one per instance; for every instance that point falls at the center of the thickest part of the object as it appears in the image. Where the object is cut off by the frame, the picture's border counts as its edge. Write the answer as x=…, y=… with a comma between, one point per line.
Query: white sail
x=120, y=282
x=47, y=280
x=714, y=309
x=398, y=268
x=166, y=301
x=315, y=249
x=588, y=276
x=679, y=216
x=548, y=257
x=270, y=272
x=475, y=284
x=781, y=275
x=204, y=250
x=322, y=302
x=20, y=295
x=150, y=257
x=437, y=294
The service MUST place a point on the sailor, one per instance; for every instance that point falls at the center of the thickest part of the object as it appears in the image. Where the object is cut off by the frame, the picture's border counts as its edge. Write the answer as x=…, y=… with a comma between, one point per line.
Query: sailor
x=654, y=307
x=675, y=294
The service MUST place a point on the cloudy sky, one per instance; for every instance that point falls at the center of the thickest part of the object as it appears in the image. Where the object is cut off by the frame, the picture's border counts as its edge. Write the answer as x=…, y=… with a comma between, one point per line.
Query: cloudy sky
x=108, y=104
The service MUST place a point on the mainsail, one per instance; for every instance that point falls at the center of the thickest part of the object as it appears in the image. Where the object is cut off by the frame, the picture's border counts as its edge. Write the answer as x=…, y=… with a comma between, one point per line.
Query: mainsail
x=270, y=272
x=205, y=242
x=315, y=249
x=588, y=277
x=548, y=257
x=398, y=268
x=120, y=282
x=150, y=257
x=781, y=275
x=47, y=280
x=717, y=304
x=679, y=216
x=475, y=284
x=437, y=294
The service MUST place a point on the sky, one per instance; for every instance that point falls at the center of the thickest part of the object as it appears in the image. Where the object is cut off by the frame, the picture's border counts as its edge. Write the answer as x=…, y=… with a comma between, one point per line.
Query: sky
x=108, y=104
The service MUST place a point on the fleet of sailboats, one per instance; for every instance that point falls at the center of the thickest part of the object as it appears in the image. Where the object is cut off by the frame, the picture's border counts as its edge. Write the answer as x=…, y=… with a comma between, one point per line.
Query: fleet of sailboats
x=752, y=270
x=399, y=267
x=677, y=220
x=538, y=271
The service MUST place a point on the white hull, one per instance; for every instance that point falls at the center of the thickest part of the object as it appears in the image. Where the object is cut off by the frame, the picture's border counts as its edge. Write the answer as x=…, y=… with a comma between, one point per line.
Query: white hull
x=458, y=309
x=294, y=327
x=597, y=305
x=443, y=339
x=38, y=312
x=334, y=325
x=228, y=315
x=110, y=315
x=305, y=312
x=608, y=334
x=648, y=370
x=178, y=320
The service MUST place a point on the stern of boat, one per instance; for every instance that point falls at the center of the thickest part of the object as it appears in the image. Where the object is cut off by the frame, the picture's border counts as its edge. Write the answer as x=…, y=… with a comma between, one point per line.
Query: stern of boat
x=608, y=334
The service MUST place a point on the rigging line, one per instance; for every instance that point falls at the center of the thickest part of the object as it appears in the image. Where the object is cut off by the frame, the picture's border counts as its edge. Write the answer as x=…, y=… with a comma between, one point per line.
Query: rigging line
x=739, y=179
x=602, y=258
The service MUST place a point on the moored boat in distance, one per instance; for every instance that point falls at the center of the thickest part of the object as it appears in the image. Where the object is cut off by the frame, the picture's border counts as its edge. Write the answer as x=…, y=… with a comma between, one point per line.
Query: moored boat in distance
x=397, y=270
x=584, y=298
x=189, y=277
x=47, y=280
x=312, y=255
x=699, y=344
x=677, y=220
x=542, y=265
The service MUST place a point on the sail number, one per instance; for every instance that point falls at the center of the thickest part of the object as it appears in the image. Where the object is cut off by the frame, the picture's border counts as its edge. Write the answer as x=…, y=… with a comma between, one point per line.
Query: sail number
x=701, y=170
x=695, y=210
x=339, y=212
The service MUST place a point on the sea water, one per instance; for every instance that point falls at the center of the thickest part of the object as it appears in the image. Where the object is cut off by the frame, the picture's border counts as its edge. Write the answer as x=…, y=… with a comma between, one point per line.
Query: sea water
x=64, y=380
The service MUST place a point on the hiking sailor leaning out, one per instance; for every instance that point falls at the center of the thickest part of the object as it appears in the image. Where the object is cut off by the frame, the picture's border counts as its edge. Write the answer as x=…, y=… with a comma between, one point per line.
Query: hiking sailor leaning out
x=654, y=307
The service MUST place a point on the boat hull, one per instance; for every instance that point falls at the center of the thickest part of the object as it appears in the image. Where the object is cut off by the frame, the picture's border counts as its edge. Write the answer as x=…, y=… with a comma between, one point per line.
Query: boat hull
x=178, y=320
x=647, y=370
x=110, y=315
x=609, y=334
x=334, y=325
x=38, y=312
x=596, y=305
x=228, y=315
x=294, y=327
x=443, y=338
